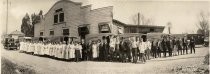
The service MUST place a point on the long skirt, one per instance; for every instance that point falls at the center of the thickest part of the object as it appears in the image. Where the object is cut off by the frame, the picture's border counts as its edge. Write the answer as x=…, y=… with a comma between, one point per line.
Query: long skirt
x=57, y=52
x=39, y=50
x=77, y=54
x=26, y=48
x=29, y=48
x=35, y=49
x=95, y=53
x=63, y=52
x=175, y=50
x=72, y=53
x=32, y=49
x=67, y=53
x=60, y=53
x=42, y=51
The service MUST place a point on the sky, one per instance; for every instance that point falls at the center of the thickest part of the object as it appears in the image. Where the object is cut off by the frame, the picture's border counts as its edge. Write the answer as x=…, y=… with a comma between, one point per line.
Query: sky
x=183, y=15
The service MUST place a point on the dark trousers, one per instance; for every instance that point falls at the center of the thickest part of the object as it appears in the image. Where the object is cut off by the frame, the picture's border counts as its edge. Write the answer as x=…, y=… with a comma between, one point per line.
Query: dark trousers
x=128, y=55
x=89, y=55
x=158, y=52
x=154, y=52
x=117, y=55
x=192, y=48
x=179, y=50
x=164, y=52
x=134, y=54
x=123, y=56
x=77, y=55
x=111, y=53
x=185, y=49
x=142, y=57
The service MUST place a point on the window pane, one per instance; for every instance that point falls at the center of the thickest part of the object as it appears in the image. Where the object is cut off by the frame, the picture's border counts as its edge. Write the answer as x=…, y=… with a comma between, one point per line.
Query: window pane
x=55, y=18
x=65, y=31
x=51, y=32
x=61, y=17
x=41, y=33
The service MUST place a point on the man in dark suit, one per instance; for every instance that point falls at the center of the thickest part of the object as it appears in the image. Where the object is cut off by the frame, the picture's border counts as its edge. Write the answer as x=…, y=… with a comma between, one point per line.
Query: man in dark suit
x=84, y=50
x=128, y=49
x=103, y=49
x=122, y=50
x=192, y=44
x=163, y=45
x=168, y=44
x=185, y=44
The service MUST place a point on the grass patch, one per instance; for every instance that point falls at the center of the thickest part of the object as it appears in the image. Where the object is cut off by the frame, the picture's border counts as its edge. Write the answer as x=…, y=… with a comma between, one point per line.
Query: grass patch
x=206, y=59
x=8, y=67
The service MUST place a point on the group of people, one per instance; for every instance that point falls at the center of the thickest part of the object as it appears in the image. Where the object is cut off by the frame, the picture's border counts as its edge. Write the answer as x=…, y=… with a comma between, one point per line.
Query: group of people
x=112, y=48
x=57, y=50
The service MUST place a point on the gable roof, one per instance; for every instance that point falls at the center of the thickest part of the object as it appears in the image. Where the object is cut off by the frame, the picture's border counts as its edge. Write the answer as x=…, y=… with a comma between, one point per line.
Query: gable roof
x=17, y=33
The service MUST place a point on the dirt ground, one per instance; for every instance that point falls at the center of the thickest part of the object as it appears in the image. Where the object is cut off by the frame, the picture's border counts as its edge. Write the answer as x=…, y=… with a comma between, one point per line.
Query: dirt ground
x=176, y=64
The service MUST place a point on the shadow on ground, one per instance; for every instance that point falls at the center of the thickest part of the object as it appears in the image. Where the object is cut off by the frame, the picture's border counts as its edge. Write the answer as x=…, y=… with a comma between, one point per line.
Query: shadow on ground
x=8, y=67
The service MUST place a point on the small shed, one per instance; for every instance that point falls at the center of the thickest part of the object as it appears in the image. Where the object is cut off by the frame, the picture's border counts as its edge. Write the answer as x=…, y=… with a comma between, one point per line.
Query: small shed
x=16, y=34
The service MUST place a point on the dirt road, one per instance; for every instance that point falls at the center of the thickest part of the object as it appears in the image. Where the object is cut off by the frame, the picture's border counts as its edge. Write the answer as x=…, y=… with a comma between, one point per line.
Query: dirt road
x=43, y=65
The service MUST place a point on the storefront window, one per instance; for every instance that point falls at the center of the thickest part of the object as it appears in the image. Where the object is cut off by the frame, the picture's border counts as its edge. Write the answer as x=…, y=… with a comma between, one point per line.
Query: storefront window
x=104, y=28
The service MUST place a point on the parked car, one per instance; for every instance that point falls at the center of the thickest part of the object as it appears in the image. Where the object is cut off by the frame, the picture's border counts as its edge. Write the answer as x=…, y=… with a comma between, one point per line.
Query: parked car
x=206, y=42
x=10, y=44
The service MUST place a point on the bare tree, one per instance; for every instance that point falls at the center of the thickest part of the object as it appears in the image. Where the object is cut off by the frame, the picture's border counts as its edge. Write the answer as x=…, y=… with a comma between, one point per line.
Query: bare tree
x=140, y=19
x=203, y=23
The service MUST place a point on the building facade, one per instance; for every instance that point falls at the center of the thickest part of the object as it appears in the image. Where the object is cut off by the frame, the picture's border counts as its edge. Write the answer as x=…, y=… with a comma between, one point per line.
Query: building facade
x=67, y=19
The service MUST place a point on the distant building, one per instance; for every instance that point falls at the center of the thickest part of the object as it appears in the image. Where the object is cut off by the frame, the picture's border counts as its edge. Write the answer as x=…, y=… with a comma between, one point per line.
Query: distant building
x=67, y=19
x=130, y=28
x=16, y=34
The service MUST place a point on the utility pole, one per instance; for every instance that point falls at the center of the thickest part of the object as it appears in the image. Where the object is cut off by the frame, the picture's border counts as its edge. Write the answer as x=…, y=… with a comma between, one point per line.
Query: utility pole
x=138, y=22
x=169, y=27
x=7, y=18
x=138, y=18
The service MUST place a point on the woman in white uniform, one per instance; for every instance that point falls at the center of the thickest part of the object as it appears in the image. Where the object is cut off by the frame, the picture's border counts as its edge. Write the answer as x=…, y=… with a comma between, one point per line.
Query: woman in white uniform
x=26, y=46
x=35, y=48
x=94, y=50
x=21, y=46
x=50, y=49
x=42, y=46
x=68, y=51
x=29, y=47
x=32, y=47
x=57, y=50
x=72, y=50
x=63, y=52
x=59, y=54
x=54, y=49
